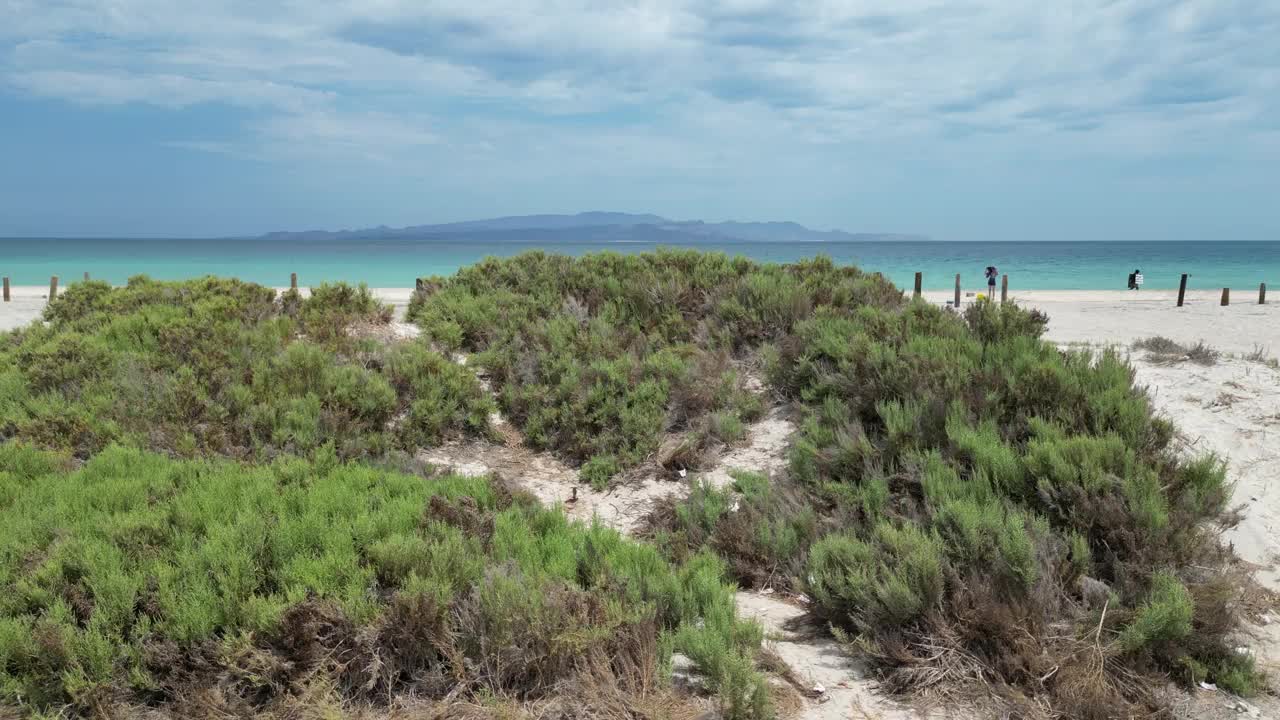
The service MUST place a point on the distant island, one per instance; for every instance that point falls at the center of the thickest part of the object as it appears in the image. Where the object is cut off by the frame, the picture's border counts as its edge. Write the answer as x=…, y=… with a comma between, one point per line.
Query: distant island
x=598, y=227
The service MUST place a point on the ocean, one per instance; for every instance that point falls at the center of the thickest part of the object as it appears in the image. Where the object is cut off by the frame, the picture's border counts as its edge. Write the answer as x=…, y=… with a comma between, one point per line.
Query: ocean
x=396, y=263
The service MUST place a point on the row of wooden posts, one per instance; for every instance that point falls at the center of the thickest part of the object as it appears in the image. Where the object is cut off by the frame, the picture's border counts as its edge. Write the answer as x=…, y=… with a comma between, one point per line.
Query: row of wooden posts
x=1004, y=288
x=1182, y=290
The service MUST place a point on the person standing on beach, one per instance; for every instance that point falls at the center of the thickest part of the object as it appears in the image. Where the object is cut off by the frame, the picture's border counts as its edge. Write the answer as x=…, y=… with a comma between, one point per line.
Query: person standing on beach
x=991, y=281
x=1137, y=279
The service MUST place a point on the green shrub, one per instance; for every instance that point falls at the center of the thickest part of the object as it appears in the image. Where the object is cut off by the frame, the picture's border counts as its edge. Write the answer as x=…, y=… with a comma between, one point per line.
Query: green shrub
x=221, y=367
x=601, y=355
x=763, y=533
x=599, y=470
x=1164, y=617
x=134, y=552
x=890, y=579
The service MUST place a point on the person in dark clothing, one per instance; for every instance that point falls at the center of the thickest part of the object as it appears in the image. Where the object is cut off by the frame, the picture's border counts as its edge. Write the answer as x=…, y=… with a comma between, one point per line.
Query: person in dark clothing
x=1133, y=285
x=992, y=273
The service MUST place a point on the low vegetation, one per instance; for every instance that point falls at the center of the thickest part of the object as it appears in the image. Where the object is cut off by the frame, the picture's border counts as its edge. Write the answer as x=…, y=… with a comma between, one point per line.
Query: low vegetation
x=218, y=589
x=197, y=515
x=196, y=510
x=1165, y=351
x=602, y=358
x=223, y=367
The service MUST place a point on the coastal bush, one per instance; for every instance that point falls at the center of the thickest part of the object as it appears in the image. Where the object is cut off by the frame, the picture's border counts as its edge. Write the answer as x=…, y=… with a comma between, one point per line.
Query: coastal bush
x=599, y=357
x=763, y=532
x=964, y=502
x=978, y=493
x=957, y=483
x=141, y=579
x=984, y=478
x=222, y=367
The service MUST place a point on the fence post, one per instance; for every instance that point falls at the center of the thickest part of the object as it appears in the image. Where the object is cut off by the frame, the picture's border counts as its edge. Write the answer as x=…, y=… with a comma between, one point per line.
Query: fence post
x=1226, y=296
x=1262, y=293
x=293, y=281
x=919, y=280
x=957, y=289
x=53, y=287
x=86, y=276
x=1182, y=289
x=1004, y=288
x=6, y=288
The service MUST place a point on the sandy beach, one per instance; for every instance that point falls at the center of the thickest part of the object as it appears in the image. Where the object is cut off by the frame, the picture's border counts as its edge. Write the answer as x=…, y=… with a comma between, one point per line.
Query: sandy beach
x=1118, y=317
x=1092, y=317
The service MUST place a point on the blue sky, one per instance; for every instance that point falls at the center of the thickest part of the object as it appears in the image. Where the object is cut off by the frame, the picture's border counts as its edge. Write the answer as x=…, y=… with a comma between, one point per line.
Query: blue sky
x=959, y=119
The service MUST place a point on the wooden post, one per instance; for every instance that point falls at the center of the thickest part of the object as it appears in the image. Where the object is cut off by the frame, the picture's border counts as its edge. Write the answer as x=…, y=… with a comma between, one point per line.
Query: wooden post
x=919, y=282
x=1182, y=289
x=293, y=281
x=1004, y=288
x=1226, y=296
x=1262, y=293
x=86, y=276
x=53, y=287
x=6, y=288
x=957, y=289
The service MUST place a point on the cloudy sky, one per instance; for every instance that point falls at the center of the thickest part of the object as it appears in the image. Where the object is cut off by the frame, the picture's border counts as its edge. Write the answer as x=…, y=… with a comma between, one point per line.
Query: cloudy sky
x=959, y=119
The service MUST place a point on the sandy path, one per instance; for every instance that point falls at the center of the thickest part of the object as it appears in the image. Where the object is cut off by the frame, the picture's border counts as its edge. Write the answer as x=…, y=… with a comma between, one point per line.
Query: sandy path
x=847, y=690
x=622, y=507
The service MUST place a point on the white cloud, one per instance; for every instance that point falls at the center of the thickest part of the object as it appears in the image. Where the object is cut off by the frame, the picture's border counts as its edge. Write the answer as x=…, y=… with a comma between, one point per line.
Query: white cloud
x=704, y=87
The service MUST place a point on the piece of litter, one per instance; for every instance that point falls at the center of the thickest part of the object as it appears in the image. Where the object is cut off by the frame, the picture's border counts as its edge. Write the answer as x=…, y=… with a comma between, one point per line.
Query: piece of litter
x=1207, y=685
x=802, y=598
x=819, y=690
x=767, y=591
x=683, y=472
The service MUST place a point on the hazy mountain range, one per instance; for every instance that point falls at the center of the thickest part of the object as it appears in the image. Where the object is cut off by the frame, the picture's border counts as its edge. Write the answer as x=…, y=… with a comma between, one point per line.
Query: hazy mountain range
x=597, y=227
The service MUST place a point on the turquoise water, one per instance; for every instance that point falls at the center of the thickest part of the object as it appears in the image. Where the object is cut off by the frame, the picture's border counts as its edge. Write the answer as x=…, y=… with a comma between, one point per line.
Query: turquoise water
x=395, y=263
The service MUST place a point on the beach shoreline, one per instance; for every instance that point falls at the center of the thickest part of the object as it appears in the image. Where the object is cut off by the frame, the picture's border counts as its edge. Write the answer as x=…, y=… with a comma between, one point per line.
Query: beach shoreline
x=1086, y=317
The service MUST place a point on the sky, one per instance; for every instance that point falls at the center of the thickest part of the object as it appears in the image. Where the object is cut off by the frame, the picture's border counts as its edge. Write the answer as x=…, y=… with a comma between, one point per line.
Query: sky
x=956, y=119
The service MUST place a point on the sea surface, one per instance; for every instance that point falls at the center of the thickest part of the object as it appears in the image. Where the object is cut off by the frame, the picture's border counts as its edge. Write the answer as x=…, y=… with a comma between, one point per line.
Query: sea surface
x=396, y=263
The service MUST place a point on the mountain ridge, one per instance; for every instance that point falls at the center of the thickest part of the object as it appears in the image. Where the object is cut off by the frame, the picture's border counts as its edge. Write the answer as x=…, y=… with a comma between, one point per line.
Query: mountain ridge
x=597, y=226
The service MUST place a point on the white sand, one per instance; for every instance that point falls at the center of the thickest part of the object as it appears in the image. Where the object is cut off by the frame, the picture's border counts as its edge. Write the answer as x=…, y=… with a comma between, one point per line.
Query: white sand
x=1232, y=409
x=1120, y=317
